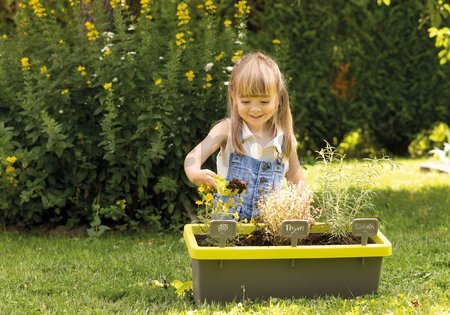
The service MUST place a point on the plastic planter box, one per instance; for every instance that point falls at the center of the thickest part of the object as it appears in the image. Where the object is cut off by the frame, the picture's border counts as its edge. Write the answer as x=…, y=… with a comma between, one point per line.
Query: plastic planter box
x=233, y=273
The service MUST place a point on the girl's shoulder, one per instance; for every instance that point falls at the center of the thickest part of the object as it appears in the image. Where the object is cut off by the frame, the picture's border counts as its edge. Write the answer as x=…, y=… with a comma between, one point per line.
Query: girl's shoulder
x=221, y=130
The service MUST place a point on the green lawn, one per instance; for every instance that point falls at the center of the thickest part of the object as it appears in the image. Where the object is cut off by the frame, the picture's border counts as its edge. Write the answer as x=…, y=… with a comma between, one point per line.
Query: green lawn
x=113, y=274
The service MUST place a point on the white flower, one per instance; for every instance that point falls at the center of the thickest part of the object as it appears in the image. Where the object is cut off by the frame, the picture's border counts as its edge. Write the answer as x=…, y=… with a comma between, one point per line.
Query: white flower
x=161, y=58
x=108, y=35
x=115, y=80
x=208, y=66
x=132, y=27
x=229, y=68
x=131, y=53
x=238, y=42
x=226, y=83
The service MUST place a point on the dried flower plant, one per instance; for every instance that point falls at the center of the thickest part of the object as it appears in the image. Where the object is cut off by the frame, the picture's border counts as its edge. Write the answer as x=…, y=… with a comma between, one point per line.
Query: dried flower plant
x=287, y=203
x=346, y=190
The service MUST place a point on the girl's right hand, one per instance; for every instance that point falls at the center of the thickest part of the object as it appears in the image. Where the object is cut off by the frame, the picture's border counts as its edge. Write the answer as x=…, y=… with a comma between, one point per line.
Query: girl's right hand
x=204, y=177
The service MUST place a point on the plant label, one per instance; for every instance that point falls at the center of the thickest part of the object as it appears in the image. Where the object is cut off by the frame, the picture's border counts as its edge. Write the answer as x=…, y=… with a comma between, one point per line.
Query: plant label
x=222, y=230
x=295, y=230
x=365, y=227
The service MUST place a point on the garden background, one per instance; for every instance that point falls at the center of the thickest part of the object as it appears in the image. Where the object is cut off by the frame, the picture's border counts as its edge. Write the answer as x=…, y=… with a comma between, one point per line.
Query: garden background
x=101, y=100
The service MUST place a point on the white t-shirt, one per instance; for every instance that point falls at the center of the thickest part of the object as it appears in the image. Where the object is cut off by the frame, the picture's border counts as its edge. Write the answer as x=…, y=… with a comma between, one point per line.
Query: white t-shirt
x=268, y=153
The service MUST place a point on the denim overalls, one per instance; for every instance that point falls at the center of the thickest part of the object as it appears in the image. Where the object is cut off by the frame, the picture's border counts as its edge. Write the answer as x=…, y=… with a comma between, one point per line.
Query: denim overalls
x=260, y=176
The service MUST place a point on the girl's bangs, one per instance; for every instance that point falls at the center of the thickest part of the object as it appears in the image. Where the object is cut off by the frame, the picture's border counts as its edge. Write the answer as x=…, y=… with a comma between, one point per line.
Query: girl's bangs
x=256, y=80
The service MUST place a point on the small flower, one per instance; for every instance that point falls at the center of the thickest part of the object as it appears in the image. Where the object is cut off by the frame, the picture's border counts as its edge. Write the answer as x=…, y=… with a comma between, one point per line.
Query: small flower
x=220, y=56
x=10, y=169
x=276, y=41
x=158, y=82
x=242, y=9
x=25, y=62
x=92, y=34
x=237, y=55
x=179, y=39
x=208, y=66
x=183, y=14
x=227, y=23
x=43, y=70
x=108, y=86
x=190, y=75
x=210, y=6
x=64, y=92
x=198, y=202
x=11, y=159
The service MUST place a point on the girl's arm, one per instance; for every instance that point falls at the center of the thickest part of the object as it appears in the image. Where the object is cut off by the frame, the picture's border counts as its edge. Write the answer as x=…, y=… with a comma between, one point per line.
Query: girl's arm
x=295, y=174
x=216, y=138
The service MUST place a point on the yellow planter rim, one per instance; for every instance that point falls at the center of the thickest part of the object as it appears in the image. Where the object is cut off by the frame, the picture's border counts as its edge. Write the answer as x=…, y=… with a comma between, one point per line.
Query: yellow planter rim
x=381, y=248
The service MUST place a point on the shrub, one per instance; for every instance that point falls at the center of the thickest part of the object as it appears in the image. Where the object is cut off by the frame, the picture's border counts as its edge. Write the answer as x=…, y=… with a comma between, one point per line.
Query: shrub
x=101, y=101
x=429, y=139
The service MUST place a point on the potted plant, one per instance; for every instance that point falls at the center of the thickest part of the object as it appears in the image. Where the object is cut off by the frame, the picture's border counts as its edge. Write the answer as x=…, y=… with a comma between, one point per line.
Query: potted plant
x=224, y=271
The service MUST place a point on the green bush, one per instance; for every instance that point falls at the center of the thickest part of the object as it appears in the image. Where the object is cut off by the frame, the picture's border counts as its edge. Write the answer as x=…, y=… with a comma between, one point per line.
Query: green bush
x=104, y=104
x=429, y=139
x=355, y=64
x=100, y=100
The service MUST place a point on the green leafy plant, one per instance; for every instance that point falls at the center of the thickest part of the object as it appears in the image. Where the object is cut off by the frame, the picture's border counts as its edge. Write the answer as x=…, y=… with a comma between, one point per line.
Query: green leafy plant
x=95, y=96
x=345, y=190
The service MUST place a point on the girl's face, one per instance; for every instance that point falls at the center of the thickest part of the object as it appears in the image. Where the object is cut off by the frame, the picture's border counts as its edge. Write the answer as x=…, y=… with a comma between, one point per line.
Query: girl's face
x=256, y=111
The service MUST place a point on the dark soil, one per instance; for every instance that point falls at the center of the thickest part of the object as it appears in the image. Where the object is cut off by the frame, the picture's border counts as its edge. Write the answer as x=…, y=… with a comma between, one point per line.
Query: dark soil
x=259, y=238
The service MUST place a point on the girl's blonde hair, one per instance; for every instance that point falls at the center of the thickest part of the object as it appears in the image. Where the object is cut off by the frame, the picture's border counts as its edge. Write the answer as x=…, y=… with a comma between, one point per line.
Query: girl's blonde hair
x=257, y=74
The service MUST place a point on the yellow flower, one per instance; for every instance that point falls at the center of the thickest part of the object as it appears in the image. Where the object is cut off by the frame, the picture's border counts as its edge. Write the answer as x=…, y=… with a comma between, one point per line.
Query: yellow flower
x=25, y=62
x=201, y=189
x=37, y=7
x=242, y=9
x=183, y=14
x=227, y=23
x=276, y=41
x=210, y=6
x=158, y=82
x=179, y=39
x=10, y=169
x=145, y=8
x=190, y=75
x=209, y=197
x=43, y=70
x=65, y=91
x=208, y=78
x=198, y=202
x=108, y=86
x=237, y=55
x=92, y=34
x=220, y=56
x=11, y=159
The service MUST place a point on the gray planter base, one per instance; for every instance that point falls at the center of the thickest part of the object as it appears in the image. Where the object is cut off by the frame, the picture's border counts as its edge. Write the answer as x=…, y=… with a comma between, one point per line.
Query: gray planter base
x=233, y=280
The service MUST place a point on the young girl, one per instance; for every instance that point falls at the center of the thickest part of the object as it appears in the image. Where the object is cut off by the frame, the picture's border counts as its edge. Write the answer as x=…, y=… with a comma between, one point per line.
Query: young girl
x=257, y=143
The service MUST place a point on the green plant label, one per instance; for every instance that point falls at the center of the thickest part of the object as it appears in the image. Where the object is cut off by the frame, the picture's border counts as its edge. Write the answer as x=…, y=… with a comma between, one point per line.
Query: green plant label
x=295, y=230
x=365, y=227
x=222, y=230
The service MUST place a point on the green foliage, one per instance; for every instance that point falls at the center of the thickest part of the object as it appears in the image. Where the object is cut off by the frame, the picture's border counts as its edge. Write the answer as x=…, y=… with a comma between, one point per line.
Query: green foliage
x=426, y=140
x=105, y=111
x=345, y=191
x=101, y=101
x=357, y=144
x=350, y=65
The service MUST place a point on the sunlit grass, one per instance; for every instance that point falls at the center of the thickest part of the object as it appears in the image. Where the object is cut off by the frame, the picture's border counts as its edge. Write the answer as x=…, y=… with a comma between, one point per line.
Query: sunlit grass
x=112, y=274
